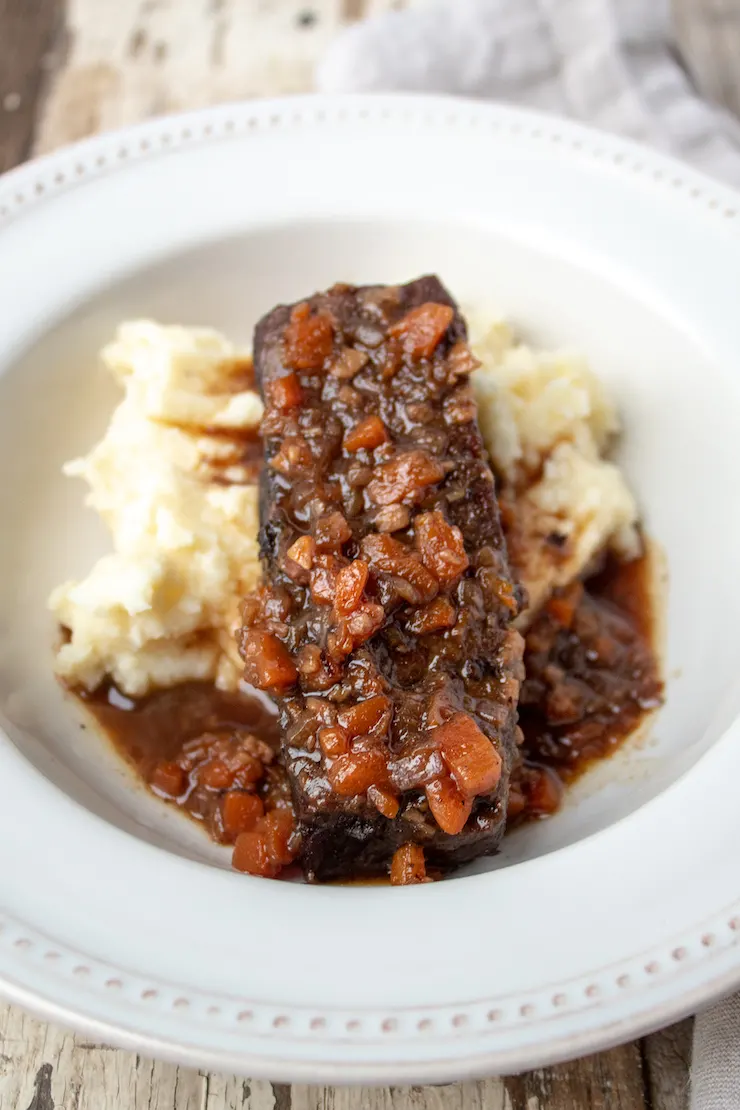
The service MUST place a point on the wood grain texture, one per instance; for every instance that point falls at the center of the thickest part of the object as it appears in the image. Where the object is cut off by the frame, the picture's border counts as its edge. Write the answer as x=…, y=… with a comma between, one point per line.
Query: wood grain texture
x=667, y=1057
x=609, y=1081
x=129, y=60
x=31, y=37
x=43, y=1067
x=67, y=71
x=487, y=1095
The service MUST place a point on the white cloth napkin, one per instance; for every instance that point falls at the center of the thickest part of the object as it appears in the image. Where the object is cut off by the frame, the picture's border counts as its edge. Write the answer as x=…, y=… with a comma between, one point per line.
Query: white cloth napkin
x=606, y=62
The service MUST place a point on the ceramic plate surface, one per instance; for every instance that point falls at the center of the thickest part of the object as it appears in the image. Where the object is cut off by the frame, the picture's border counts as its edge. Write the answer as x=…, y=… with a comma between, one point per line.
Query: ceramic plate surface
x=618, y=915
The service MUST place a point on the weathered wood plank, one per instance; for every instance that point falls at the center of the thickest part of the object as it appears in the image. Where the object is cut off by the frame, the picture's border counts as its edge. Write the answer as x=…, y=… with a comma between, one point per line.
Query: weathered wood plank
x=44, y=1062
x=43, y=1067
x=667, y=1057
x=130, y=60
x=224, y=1092
x=30, y=31
x=487, y=1095
x=609, y=1081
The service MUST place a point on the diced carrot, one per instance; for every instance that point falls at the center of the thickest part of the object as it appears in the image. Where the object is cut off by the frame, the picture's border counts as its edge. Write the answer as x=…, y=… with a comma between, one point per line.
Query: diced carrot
x=441, y=547
x=516, y=803
x=169, y=778
x=544, y=793
x=216, y=775
x=471, y=757
x=251, y=855
x=562, y=607
x=504, y=590
x=423, y=328
x=404, y=477
x=438, y=614
x=302, y=552
x=384, y=553
x=354, y=629
x=308, y=340
x=351, y=581
x=355, y=772
x=331, y=532
x=249, y=771
x=267, y=661
x=324, y=578
x=449, y=809
x=240, y=812
x=371, y=716
x=384, y=801
x=285, y=393
x=333, y=741
x=407, y=865
x=266, y=849
x=278, y=827
x=366, y=435
x=393, y=359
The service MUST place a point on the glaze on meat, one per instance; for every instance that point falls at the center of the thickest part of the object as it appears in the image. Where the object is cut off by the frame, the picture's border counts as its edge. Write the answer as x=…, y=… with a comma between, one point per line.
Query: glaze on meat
x=384, y=627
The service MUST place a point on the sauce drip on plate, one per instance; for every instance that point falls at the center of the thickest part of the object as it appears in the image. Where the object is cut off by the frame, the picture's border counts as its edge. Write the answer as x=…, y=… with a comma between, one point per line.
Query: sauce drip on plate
x=591, y=679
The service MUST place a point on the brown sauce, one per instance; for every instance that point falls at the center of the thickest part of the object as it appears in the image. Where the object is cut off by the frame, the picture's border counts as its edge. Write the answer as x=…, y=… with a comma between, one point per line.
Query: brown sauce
x=191, y=745
x=210, y=753
x=592, y=677
x=156, y=727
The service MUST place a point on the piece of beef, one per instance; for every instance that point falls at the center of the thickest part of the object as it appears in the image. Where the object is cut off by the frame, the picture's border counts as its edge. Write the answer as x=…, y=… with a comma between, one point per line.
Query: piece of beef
x=384, y=627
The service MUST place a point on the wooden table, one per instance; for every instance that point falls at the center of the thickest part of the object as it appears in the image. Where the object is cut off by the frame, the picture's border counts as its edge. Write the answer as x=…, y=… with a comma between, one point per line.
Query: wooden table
x=68, y=70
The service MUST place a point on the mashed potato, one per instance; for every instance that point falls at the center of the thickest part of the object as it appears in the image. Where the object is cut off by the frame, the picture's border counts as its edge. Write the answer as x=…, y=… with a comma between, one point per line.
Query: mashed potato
x=181, y=508
x=169, y=481
x=547, y=423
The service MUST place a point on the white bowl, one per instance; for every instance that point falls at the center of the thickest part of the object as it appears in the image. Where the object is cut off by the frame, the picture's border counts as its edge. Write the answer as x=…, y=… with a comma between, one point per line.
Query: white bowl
x=615, y=916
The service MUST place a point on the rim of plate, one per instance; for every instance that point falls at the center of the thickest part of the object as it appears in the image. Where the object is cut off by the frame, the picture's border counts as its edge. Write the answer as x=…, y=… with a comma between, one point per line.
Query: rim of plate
x=623, y=1000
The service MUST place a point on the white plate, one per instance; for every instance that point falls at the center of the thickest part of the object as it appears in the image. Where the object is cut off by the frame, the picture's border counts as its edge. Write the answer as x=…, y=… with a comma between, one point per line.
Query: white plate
x=616, y=916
